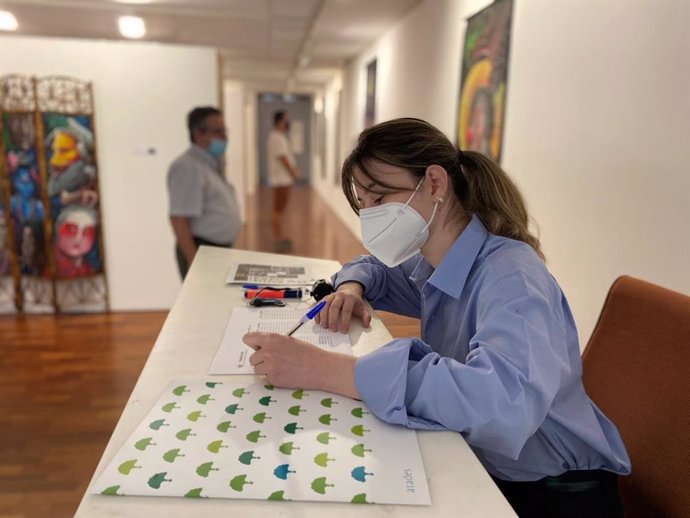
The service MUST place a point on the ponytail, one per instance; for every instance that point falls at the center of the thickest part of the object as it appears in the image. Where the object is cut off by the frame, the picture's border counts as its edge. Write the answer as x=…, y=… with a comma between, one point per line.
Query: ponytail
x=494, y=198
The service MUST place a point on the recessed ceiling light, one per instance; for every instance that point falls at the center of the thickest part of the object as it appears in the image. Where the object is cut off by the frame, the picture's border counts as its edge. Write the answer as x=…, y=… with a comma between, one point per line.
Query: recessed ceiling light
x=7, y=21
x=132, y=26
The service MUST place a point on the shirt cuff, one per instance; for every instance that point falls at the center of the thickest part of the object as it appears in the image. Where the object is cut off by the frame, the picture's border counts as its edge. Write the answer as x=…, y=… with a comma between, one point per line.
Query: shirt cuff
x=381, y=380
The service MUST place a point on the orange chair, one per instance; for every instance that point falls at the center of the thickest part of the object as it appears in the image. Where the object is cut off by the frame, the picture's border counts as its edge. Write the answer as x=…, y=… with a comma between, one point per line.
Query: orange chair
x=637, y=370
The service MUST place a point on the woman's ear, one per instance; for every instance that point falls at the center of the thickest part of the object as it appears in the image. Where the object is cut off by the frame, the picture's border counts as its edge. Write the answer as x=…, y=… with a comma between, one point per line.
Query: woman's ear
x=438, y=181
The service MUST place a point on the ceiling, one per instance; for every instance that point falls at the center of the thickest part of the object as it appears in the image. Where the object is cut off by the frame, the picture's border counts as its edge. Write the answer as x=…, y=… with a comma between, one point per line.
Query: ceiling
x=273, y=45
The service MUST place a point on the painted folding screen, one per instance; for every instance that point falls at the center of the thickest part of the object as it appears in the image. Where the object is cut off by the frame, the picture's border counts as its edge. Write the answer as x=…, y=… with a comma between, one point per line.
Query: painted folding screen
x=51, y=257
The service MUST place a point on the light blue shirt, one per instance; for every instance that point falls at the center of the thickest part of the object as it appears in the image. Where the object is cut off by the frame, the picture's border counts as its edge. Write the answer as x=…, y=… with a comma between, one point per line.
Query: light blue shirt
x=498, y=359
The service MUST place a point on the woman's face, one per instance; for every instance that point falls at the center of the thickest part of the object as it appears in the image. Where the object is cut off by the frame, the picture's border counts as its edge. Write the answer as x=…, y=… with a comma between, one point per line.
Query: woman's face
x=402, y=184
x=76, y=235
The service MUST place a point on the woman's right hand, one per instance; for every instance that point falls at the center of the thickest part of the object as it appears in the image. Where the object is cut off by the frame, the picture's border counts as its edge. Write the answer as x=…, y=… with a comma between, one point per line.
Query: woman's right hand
x=341, y=305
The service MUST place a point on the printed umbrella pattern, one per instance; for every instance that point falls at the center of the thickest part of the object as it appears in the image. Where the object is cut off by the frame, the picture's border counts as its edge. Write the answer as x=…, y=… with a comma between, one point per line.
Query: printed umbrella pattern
x=298, y=451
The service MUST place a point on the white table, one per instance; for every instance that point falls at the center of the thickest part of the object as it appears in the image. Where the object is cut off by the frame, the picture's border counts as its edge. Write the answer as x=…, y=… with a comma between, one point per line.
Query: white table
x=459, y=485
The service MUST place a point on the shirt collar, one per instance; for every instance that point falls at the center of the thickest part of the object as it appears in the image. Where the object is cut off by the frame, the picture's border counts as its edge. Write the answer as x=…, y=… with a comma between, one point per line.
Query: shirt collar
x=206, y=157
x=451, y=274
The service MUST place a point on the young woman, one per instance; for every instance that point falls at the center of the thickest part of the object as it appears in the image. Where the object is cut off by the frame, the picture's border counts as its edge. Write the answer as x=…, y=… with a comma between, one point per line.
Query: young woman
x=498, y=359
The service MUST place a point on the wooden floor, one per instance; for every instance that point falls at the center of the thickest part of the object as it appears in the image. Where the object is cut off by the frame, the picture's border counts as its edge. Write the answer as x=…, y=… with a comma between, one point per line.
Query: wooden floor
x=65, y=380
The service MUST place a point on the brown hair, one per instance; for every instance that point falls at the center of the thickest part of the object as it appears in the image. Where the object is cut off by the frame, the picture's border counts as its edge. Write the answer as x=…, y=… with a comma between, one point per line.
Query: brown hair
x=479, y=183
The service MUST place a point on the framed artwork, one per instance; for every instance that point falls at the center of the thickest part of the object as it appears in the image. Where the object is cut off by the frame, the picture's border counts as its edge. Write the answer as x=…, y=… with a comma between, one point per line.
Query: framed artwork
x=484, y=80
x=370, y=109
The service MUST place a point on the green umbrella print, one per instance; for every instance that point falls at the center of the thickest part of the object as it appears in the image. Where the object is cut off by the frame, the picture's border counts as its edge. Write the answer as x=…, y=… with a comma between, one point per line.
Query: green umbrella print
x=325, y=437
x=361, y=498
x=295, y=410
x=238, y=482
x=266, y=400
x=260, y=417
x=155, y=425
x=239, y=392
x=179, y=390
x=128, y=466
x=359, y=430
x=287, y=448
x=269, y=387
x=255, y=435
x=278, y=496
x=320, y=484
x=169, y=407
x=247, y=457
x=171, y=455
x=112, y=491
x=328, y=402
x=326, y=419
x=195, y=493
x=359, y=450
x=231, y=409
x=358, y=412
x=299, y=394
x=156, y=480
x=322, y=459
x=225, y=426
x=184, y=434
x=292, y=428
x=213, y=384
x=194, y=416
x=215, y=446
x=202, y=400
x=144, y=443
x=204, y=469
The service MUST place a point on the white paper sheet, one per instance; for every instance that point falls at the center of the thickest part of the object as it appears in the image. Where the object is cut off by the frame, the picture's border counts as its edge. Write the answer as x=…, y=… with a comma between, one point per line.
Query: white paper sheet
x=223, y=440
x=233, y=355
x=270, y=275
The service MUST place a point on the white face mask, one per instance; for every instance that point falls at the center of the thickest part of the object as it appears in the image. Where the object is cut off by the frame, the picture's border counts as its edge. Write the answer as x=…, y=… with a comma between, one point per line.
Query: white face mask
x=394, y=232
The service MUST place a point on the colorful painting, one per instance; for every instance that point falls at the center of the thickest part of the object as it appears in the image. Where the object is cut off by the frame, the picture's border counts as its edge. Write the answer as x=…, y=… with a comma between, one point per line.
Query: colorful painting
x=484, y=79
x=370, y=110
x=226, y=440
x=73, y=195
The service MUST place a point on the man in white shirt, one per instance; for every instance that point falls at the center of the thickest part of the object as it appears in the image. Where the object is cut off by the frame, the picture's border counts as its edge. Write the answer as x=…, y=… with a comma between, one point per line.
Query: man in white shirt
x=282, y=173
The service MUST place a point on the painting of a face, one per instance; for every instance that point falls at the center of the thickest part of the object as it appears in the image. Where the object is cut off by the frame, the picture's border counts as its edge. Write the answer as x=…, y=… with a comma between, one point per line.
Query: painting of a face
x=76, y=234
x=65, y=152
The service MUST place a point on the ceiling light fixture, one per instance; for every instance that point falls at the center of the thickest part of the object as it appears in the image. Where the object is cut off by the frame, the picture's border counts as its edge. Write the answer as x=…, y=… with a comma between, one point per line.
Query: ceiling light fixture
x=132, y=27
x=7, y=21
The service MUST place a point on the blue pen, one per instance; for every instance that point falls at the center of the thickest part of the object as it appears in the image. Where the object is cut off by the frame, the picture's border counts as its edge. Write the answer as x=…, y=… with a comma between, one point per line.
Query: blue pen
x=309, y=316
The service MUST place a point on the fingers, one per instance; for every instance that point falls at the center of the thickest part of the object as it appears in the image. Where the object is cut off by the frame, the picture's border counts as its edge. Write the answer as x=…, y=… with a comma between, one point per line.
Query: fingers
x=259, y=340
x=334, y=313
x=346, y=315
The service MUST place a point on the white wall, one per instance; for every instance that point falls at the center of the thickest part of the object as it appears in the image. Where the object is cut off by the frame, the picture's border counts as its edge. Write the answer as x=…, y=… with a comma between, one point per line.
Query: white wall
x=597, y=131
x=142, y=92
x=326, y=187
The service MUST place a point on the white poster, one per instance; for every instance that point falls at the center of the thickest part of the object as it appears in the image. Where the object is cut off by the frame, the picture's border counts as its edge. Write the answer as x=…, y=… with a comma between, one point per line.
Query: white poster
x=222, y=440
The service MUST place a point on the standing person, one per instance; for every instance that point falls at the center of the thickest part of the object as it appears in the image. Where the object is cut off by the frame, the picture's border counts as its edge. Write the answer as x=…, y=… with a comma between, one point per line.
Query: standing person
x=498, y=358
x=282, y=174
x=203, y=204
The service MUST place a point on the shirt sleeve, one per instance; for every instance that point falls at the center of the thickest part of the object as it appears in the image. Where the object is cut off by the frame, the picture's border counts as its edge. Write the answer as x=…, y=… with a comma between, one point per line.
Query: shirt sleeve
x=387, y=289
x=186, y=189
x=497, y=396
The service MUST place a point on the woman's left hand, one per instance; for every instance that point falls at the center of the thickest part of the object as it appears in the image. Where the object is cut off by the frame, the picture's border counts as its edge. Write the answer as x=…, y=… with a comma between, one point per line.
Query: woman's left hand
x=291, y=363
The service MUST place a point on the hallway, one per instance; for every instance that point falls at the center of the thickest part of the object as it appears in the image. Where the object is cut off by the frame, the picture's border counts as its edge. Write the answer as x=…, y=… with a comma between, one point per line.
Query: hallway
x=65, y=379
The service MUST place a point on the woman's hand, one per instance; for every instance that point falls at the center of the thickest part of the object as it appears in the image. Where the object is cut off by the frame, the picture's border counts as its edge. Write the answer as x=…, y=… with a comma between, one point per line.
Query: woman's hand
x=341, y=305
x=291, y=363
